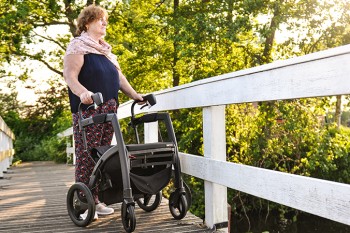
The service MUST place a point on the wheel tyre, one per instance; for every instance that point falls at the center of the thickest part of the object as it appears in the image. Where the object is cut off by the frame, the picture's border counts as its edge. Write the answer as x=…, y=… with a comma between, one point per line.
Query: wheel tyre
x=146, y=203
x=188, y=195
x=178, y=208
x=128, y=217
x=80, y=199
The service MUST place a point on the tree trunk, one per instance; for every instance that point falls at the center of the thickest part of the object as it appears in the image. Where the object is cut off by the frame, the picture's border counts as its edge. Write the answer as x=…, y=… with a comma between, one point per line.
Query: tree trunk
x=266, y=58
x=70, y=14
x=176, y=76
x=96, y=2
x=229, y=16
x=337, y=115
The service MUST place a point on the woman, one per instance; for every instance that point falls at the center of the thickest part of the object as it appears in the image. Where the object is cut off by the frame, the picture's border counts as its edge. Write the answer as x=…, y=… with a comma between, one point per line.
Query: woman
x=90, y=67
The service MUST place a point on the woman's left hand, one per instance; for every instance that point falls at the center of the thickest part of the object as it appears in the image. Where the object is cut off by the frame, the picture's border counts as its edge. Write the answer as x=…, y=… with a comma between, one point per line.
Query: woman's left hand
x=140, y=98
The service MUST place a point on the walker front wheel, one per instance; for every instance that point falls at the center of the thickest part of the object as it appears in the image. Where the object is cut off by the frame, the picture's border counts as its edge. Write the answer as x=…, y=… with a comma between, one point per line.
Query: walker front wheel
x=79, y=200
x=128, y=217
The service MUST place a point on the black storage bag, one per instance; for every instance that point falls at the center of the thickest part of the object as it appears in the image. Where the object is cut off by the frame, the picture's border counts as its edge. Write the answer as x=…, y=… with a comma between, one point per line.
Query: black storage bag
x=111, y=185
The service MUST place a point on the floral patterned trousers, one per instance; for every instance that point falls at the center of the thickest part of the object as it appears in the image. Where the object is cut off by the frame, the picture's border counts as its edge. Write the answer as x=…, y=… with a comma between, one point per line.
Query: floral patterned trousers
x=96, y=135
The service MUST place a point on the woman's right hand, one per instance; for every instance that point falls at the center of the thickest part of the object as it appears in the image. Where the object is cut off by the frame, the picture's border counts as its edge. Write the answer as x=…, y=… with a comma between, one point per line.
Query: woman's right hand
x=85, y=97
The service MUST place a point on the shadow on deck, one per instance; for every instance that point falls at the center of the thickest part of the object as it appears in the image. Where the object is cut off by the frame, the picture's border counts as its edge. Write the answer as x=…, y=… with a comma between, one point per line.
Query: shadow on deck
x=33, y=199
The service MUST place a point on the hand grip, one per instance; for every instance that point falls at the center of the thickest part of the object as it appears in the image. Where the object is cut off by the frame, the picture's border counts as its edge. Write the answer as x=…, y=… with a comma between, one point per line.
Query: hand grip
x=97, y=98
x=151, y=99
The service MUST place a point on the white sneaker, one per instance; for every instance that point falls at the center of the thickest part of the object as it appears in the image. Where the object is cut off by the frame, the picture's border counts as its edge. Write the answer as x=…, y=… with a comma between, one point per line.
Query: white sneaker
x=102, y=209
x=84, y=215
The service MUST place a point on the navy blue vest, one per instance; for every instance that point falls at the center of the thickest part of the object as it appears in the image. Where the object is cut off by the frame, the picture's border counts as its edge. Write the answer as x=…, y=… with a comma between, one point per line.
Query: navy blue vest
x=98, y=74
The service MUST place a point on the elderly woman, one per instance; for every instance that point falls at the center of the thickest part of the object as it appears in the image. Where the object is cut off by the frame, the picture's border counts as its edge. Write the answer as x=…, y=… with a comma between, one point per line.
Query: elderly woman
x=90, y=67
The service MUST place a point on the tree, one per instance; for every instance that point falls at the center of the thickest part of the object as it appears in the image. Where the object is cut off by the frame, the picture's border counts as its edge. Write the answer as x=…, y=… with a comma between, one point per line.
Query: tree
x=24, y=24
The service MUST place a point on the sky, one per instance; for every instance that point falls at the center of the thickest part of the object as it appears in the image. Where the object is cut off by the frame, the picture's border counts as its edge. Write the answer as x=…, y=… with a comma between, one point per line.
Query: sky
x=39, y=75
x=26, y=89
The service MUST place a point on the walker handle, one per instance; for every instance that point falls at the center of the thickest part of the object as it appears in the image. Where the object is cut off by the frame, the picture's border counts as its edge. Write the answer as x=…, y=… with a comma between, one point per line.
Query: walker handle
x=97, y=98
x=150, y=101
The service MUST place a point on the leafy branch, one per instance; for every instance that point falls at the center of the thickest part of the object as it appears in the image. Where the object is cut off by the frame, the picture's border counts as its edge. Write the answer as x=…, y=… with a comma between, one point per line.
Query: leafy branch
x=39, y=58
x=51, y=39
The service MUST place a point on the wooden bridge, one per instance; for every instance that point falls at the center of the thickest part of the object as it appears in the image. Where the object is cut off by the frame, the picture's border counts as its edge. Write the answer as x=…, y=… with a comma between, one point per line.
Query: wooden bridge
x=325, y=73
x=33, y=199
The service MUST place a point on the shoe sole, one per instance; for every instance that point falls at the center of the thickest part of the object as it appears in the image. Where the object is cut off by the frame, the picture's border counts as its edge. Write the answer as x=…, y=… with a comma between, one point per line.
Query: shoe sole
x=99, y=213
x=95, y=217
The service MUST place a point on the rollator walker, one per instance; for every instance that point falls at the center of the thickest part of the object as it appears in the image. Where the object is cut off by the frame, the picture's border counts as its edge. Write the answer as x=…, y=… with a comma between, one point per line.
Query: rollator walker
x=129, y=173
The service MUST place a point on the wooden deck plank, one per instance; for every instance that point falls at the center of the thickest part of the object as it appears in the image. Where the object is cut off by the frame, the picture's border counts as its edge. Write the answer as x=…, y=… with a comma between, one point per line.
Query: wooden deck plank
x=33, y=199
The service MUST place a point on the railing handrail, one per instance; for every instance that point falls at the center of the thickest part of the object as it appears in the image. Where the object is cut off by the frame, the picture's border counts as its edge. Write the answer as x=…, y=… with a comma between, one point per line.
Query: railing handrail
x=4, y=128
x=299, y=77
x=324, y=73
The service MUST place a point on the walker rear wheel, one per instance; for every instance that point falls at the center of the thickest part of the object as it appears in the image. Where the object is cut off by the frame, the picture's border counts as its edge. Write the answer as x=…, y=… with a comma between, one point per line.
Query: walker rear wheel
x=178, y=205
x=128, y=217
x=149, y=202
x=80, y=199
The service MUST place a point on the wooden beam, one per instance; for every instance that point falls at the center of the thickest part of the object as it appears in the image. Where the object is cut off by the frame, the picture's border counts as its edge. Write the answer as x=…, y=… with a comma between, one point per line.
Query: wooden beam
x=327, y=199
x=66, y=133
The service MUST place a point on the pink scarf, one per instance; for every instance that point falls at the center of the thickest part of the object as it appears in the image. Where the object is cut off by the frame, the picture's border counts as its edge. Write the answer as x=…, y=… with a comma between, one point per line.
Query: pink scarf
x=84, y=44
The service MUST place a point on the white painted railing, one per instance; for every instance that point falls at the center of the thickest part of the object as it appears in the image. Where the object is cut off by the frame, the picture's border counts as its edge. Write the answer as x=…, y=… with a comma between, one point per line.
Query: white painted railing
x=70, y=150
x=325, y=73
x=6, y=147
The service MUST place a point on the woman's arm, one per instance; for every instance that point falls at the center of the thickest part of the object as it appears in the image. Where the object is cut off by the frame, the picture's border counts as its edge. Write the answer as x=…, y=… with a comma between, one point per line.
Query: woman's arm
x=127, y=89
x=71, y=67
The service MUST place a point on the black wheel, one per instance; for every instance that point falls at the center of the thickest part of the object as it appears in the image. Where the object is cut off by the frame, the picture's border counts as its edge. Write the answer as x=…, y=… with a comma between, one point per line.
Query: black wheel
x=188, y=195
x=149, y=202
x=178, y=208
x=128, y=217
x=79, y=199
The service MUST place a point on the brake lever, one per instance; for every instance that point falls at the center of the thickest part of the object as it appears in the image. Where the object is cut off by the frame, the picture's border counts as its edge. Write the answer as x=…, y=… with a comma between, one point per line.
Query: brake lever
x=145, y=105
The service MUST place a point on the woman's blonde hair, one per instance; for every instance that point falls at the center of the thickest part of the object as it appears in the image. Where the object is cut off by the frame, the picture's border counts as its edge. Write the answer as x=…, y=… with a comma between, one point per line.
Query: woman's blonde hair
x=88, y=15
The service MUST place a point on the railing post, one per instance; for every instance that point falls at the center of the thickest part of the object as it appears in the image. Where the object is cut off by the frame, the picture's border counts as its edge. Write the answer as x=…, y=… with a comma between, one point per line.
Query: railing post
x=10, y=147
x=151, y=132
x=6, y=147
x=214, y=137
x=70, y=149
x=1, y=168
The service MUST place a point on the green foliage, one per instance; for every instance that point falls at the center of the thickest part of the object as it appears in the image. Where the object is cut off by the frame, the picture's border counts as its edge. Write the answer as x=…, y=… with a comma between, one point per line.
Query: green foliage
x=29, y=148
x=55, y=149
x=287, y=136
x=36, y=127
x=330, y=157
x=136, y=35
x=188, y=126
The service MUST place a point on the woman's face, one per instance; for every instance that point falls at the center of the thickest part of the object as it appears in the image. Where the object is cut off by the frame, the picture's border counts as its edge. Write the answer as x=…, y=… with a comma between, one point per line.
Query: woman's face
x=97, y=27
